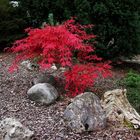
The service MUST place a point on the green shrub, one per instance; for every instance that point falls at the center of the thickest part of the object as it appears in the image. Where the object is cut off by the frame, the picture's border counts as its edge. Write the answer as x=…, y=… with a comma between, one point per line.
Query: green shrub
x=12, y=24
x=117, y=22
x=134, y=97
x=118, y=26
x=132, y=83
x=132, y=80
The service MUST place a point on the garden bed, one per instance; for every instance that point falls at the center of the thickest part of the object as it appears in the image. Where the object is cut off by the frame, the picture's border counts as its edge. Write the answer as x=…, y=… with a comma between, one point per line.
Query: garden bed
x=47, y=121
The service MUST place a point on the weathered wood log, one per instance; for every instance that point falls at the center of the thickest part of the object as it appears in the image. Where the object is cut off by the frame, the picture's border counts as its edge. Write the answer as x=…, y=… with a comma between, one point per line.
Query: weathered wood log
x=118, y=108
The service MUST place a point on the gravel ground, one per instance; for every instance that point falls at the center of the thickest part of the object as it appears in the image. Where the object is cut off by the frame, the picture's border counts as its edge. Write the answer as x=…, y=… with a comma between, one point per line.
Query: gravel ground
x=46, y=121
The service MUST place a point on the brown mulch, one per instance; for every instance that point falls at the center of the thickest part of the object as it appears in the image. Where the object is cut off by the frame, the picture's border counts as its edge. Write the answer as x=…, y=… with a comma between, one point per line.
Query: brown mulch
x=47, y=121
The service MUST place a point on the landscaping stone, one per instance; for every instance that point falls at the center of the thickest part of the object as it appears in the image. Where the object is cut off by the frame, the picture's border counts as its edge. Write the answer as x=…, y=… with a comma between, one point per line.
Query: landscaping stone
x=11, y=129
x=85, y=113
x=118, y=108
x=28, y=65
x=50, y=76
x=43, y=93
x=44, y=78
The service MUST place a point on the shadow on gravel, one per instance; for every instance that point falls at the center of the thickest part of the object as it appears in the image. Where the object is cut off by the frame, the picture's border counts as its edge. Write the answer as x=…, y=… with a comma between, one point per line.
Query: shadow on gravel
x=128, y=66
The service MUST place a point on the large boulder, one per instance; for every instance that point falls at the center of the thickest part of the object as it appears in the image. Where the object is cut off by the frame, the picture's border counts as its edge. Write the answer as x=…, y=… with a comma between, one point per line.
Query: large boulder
x=118, y=108
x=11, y=129
x=43, y=93
x=85, y=113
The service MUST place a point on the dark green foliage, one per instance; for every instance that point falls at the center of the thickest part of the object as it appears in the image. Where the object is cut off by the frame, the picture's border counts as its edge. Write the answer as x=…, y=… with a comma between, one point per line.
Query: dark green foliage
x=132, y=83
x=117, y=22
x=36, y=11
x=132, y=79
x=11, y=24
x=134, y=97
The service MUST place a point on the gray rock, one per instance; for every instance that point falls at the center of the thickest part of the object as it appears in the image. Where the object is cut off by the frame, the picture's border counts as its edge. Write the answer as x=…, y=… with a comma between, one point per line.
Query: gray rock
x=85, y=113
x=50, y=75
x=44, y=78
x=119, y=109
x=11, y=129
x=43, y=93
x=28, y=65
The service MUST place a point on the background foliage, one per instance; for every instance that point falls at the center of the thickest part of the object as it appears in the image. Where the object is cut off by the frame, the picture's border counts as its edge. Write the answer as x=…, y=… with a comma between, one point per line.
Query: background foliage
x=11, y=24
x=117, y=23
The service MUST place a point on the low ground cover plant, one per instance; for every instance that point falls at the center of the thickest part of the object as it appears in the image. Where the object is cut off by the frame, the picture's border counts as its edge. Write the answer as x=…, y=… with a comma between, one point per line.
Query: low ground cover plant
x=132, y=83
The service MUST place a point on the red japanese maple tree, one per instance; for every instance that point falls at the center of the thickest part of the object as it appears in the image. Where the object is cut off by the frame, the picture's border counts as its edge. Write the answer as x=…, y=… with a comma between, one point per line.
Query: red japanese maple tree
x=60, y=44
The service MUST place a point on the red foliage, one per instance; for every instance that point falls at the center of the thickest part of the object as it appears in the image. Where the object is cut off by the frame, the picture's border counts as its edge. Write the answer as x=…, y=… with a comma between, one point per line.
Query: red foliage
x=81, y=77
x=58, y=44
x=54, y=44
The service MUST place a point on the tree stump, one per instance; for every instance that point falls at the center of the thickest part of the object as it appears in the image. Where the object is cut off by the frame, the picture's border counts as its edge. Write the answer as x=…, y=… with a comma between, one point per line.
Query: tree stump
x=118, y=108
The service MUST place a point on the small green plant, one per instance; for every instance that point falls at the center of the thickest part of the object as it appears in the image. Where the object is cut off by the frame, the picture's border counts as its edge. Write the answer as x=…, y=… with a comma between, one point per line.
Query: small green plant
x=132, y=84
x=128, y=124
x=132, y=79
